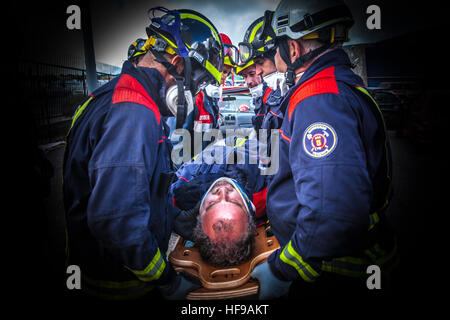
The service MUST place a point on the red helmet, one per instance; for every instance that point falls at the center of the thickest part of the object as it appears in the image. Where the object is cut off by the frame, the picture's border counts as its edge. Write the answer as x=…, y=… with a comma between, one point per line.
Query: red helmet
x=225, y=38
x=230, y=51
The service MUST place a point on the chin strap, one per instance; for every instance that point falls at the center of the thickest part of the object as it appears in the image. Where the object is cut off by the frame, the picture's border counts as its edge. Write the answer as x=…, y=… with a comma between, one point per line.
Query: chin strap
x=291, y=67
x=181, y=105
x=182, y=84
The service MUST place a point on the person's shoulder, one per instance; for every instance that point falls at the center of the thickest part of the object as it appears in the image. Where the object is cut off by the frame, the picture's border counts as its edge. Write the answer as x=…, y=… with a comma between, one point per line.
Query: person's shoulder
x=322, y=82
x=128, y=90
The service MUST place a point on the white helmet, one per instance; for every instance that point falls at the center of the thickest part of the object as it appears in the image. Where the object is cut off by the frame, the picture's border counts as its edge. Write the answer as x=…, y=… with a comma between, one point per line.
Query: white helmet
x=297, y=19
x=325, y=20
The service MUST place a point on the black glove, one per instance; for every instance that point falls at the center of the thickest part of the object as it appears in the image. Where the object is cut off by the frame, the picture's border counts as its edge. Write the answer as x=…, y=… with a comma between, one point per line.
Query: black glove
x=179, y=287
x=186, y=221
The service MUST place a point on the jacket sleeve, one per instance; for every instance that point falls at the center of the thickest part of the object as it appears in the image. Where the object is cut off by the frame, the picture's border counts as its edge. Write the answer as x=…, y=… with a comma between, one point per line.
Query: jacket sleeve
x=332, y=186
x=121, y=169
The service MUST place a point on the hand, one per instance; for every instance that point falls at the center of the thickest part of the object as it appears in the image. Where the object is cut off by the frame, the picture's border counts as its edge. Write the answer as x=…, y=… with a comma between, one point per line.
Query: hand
x=270, y=287
x=186, y=221
x=179, y=287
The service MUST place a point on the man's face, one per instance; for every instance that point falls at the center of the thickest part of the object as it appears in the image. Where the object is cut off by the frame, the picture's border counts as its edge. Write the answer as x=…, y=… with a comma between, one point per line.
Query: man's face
x=251, y=78
x=223, y=213
x=279, y=62
x=264, y=66
x=226, y=71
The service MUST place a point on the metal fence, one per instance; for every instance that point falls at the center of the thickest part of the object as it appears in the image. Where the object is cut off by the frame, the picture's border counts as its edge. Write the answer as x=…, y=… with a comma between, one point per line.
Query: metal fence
x=53, y=93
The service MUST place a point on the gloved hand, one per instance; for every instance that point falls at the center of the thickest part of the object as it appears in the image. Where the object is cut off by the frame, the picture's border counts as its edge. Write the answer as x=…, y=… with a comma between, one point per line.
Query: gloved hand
x=179, y=287
x=270, y=287
x=186, y=221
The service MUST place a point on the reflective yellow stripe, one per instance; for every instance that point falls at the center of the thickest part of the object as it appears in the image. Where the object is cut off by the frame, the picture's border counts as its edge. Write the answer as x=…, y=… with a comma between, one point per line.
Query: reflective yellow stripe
x=374, y=219
x=313, y=35
x=194, y=17
x=343, y=271
x=151, y=42
x=80, y=111
x=216, y=73
x=139, y=53
x=295, y=254
x=363, y=90
x=239, y=142
x=292, y=258
x=170, y=42
x=154, y=269
x=356, y=267
x=253, y=33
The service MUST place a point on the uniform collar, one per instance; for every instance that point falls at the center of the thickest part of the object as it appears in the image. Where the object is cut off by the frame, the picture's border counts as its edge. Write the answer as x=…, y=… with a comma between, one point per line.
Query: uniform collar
x=333, y=58
x=154, y=76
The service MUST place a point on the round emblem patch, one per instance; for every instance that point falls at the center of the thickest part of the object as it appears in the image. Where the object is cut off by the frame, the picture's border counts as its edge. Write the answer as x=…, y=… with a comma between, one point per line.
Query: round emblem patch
x=319, y=140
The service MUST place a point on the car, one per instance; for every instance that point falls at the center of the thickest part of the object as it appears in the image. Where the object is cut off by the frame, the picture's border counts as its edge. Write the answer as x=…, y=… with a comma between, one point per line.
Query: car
x=236, y=108
x=404, y=89
x=391, y=106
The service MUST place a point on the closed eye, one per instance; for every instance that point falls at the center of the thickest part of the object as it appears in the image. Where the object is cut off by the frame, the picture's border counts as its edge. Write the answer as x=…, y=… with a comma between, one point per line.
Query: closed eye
x=213, y=203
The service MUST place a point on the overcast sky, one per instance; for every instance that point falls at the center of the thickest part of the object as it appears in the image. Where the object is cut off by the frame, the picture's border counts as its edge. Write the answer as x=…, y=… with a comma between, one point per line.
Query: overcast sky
x=117, y=23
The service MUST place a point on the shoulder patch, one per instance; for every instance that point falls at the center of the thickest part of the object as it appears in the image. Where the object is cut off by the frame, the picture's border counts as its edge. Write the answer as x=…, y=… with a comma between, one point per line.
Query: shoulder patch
x=319, y=140
x=322, y=82
x=128, y=89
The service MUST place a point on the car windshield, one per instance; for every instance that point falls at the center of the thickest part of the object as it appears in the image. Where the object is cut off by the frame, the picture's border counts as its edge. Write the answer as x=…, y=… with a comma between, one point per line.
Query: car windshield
x=236, y=103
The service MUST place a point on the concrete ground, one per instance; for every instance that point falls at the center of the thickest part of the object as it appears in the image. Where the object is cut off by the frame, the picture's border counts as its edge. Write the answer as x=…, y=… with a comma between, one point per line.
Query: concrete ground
x=414, y=167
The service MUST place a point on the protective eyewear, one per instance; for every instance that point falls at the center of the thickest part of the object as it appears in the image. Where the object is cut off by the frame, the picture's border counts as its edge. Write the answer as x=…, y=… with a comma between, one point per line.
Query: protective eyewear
x=231, y=52
x=258, y=48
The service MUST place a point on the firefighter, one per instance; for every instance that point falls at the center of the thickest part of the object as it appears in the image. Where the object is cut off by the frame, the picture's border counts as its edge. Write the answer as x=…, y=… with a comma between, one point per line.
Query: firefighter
x=136, y=51
x=327, y=202
x=269, y=93
x=117, y=163
x=206, y=111
x=205, y=115
x=253, y=82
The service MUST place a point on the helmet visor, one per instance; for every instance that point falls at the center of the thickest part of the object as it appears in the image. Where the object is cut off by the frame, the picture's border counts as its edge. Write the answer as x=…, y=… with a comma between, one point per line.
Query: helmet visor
x=245, y=52
x=231, y=52
x=200, y=36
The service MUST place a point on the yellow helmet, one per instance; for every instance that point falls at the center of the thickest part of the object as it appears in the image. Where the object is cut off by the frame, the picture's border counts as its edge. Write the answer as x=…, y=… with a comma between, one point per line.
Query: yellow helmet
x=137, y=48
x=239, y=69
x=252, y=46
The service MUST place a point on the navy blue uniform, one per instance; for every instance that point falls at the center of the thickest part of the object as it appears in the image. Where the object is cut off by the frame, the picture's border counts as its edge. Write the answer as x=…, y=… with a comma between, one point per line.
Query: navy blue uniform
x=119, y=217
x=325, y=202
x=268, y=109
